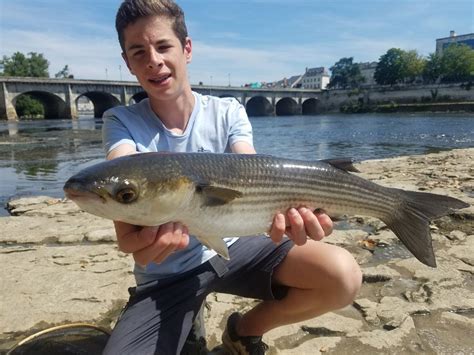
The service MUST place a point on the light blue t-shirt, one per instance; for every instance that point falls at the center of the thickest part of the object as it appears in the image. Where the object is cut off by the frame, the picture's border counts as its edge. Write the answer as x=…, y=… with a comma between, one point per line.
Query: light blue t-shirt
x=214, y=126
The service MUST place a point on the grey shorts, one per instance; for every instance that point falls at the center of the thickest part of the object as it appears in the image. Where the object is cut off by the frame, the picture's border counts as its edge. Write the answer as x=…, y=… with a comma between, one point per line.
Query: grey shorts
x=160, y=314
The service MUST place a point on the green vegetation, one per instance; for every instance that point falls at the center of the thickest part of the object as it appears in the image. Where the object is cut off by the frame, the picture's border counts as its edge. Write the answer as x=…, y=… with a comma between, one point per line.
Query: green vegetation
x=28, y=107
x=64, y=73
x=33, y=65
x=345, y=74
x=399, y=67
x=457, y=64
x=454, y=65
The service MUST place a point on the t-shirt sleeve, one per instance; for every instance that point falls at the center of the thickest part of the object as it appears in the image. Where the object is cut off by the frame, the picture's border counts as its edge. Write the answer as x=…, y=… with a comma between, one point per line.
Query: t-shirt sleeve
x=240, y=129
x=114, y=133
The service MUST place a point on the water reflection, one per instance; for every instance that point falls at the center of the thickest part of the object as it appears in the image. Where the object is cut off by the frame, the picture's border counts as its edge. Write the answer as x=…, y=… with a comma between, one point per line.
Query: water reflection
x=12, y=128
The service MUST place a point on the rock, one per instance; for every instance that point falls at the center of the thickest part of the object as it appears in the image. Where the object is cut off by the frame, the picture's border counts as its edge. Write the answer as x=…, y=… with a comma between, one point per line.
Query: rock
x=457, y=319
x=380, y=273
x=392, y=311
x=457, y=236
x=61, y=284
x=383, y=340
x=369, y=310
x=61, y=265
x=464, y=251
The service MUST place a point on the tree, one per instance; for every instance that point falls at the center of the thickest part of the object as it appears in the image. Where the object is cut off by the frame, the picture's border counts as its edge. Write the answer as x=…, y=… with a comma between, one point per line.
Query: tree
x=457, y=63
x=432, y=69
x=33, y=65
x=64, y=73
x=28, y=107
x=345, y=74
x=390, y=68
x=413, y=66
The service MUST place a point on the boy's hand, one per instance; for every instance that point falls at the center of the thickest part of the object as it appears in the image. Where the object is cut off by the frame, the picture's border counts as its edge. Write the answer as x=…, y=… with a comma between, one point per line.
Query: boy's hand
x=151, y=244
x=299, y=224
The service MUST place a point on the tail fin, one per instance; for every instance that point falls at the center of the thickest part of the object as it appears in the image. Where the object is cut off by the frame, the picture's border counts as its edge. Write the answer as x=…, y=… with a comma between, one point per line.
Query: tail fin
x=411, y=222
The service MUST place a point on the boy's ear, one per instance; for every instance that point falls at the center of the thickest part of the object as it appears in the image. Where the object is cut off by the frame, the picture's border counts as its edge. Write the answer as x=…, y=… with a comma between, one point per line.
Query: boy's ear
x=188, y=50
x=124, y=56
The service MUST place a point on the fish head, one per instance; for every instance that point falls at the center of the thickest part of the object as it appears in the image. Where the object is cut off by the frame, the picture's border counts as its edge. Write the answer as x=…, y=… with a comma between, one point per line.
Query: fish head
x=125, y=192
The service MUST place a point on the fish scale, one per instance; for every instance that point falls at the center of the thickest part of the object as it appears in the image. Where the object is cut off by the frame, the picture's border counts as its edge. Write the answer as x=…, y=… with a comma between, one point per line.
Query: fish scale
x=228, y=195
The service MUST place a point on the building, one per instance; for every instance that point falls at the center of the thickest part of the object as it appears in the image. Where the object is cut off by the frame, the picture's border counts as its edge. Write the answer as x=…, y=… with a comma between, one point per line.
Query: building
x=315, y=78
x=442, y=43
x=368, y=70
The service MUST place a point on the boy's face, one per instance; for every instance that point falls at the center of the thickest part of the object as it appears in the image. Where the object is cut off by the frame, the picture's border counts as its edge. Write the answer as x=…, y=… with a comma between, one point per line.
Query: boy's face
x=156, y=57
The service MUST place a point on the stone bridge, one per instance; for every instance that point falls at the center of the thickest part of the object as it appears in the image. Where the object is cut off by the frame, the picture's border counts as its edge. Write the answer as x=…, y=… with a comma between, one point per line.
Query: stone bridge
x=59, y=97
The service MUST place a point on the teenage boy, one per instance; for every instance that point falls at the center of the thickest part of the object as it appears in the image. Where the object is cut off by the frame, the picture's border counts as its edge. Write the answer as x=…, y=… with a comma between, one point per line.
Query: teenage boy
x=296, y=278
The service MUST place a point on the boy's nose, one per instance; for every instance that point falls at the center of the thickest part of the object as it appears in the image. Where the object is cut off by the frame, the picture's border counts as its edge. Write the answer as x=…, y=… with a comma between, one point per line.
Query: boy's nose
x=155, y=59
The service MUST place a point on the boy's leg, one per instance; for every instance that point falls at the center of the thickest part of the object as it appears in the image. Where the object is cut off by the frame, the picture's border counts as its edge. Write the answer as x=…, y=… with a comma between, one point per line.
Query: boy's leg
x=158, y=318
x=320, y=278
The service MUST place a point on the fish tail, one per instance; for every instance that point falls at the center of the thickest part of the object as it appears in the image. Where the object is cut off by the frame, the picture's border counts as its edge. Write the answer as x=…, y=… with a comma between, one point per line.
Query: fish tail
x=413, y=218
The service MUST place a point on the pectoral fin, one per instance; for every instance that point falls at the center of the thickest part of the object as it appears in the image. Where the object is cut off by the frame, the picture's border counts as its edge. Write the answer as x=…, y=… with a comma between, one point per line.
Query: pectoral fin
x=217, y=196
x=217, y=244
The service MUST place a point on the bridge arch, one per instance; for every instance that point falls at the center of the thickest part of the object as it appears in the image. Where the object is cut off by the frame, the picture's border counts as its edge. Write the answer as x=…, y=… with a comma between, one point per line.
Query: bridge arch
x=310, y=106
x=287, y=107
x=259, y=106
x=54, y=107
x=102, y=101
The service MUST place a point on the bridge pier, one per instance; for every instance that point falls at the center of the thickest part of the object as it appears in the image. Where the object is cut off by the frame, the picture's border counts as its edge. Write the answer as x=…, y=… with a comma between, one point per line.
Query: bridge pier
x=71, y=108
x=7, y=110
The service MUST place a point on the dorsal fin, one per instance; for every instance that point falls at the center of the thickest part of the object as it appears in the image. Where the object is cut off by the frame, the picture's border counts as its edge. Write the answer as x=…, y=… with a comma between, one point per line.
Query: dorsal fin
x=345, y=164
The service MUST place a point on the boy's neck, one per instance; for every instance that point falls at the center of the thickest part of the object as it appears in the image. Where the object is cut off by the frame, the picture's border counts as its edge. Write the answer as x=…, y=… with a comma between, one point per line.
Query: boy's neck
x=174, y=114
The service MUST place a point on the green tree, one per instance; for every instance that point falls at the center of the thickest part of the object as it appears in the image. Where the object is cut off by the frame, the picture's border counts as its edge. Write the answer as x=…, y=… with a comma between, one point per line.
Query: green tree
x=432, y=69
x=413, y=66
x=390, y=68
x=457, y=63
x=64, y=73
x=33, y=65
x=28, y=107
x=345, y=74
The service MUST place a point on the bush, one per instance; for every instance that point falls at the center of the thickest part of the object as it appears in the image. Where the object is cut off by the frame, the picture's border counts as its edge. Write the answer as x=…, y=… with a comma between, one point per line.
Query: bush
x=28, y=107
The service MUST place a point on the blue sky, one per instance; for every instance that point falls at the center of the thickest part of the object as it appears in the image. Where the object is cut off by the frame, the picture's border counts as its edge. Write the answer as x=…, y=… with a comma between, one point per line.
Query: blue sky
x=237, y=40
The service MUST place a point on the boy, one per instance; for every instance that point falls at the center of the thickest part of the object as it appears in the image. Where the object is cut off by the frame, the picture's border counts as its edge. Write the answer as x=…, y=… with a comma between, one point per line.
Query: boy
x=174, y=272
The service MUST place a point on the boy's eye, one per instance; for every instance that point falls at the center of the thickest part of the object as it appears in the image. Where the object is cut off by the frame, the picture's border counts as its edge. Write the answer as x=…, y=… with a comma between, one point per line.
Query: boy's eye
x=137, y=53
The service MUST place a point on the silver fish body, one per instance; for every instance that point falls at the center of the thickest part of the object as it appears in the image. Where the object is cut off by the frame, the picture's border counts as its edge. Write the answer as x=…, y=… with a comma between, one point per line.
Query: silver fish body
x=229, y=195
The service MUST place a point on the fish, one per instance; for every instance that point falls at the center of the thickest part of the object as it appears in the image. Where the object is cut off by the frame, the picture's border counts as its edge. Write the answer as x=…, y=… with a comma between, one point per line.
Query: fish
x=219, y=195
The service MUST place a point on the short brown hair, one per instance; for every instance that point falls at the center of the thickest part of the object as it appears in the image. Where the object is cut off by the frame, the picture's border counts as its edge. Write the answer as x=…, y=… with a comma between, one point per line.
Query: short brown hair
x=132, y=10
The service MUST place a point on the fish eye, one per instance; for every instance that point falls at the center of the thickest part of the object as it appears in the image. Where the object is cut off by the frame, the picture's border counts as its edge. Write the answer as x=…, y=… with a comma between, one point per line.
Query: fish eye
x=126, y=195
x=125, y=191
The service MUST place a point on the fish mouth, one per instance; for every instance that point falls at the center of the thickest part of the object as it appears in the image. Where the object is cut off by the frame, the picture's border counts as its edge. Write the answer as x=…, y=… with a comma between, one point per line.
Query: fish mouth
x=77, y=196
x=76, y=192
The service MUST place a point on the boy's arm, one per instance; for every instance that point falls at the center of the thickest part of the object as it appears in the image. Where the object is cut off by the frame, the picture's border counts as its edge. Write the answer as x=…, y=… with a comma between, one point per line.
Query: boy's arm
x=297, y=224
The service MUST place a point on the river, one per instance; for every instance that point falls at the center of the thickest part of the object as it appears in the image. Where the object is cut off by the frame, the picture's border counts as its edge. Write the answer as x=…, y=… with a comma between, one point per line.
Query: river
x=36, y=157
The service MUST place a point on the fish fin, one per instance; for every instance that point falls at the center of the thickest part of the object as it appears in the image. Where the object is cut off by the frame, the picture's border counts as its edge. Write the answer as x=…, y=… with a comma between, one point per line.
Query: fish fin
x=217, y=196
x=413, y=219
x=217, y=244
x=345, y=164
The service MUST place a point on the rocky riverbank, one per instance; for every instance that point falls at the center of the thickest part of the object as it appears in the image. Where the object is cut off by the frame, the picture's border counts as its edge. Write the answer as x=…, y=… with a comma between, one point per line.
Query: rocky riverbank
x=60, y=265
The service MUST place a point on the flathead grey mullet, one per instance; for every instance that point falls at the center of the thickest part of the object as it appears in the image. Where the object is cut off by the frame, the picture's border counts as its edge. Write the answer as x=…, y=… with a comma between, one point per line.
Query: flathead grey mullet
x=235, y=195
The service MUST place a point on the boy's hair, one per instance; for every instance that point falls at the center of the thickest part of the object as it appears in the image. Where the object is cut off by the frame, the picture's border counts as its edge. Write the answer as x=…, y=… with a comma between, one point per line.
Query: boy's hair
x=132, y=10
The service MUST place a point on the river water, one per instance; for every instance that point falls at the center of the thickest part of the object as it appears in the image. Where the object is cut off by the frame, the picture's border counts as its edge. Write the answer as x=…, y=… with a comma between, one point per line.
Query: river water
x=36, y=157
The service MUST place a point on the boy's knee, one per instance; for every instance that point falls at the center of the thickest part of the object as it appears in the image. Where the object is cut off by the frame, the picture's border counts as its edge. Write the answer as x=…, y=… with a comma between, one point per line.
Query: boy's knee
x=348, y=278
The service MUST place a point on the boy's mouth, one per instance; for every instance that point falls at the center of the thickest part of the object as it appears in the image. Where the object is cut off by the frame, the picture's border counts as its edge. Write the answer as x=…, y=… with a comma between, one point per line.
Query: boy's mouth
x=160, y=79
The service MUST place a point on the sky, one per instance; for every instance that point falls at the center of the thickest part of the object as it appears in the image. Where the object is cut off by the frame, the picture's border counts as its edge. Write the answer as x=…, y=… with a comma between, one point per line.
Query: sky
x=235, y=41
